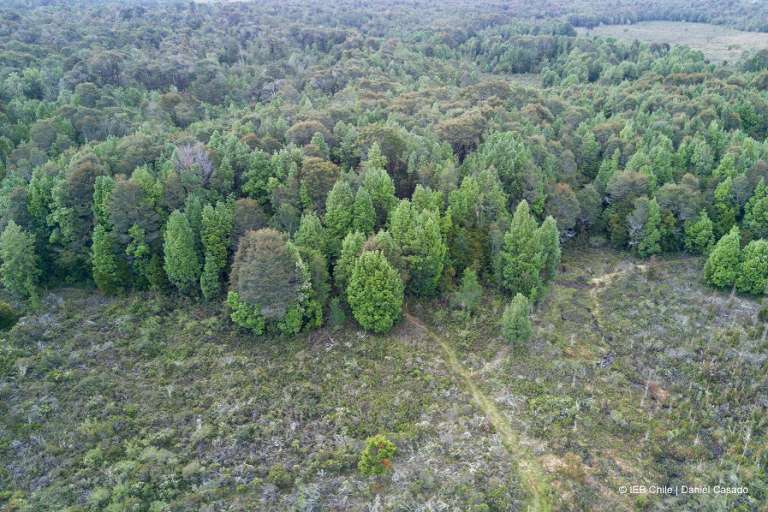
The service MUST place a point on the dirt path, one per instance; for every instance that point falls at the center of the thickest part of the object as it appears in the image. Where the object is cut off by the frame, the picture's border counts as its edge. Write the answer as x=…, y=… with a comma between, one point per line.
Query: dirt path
x=532, y=475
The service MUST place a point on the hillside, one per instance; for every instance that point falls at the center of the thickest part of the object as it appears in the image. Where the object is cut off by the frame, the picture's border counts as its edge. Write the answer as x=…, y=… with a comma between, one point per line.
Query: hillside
x=636, y=374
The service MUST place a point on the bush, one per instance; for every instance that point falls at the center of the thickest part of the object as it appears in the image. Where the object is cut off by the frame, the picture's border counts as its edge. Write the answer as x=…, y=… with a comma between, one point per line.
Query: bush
x=375, y=457
x=8, y=316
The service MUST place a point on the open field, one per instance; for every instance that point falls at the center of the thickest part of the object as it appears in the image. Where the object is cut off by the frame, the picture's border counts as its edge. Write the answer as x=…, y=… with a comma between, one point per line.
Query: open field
x=637, y=374
x=718, y=43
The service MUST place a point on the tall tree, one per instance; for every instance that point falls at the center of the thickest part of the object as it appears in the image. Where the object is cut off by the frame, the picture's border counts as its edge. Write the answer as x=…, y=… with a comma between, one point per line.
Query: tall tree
x=753, y=269
x=516, y=322
x=699, y=238
x=19, y=271
x=722, y=267
x=364, y=213
x=549, y=239
x=375, y=292
x=105, y=271
x=521, y=256
x=181, y=260
x=339, y=215
x=350, y=248
x=650, y=243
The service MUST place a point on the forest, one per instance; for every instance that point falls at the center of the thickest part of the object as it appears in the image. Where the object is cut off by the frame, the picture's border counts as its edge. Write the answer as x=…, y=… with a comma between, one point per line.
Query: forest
x=182, y=178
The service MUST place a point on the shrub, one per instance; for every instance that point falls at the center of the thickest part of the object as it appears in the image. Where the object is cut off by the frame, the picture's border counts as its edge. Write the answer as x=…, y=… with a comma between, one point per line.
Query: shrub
x=375, y=457
x=8, y=316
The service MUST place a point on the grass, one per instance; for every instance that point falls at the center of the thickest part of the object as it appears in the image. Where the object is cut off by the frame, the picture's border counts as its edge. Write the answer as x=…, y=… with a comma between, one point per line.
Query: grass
x=637, y=375
x=717, y=42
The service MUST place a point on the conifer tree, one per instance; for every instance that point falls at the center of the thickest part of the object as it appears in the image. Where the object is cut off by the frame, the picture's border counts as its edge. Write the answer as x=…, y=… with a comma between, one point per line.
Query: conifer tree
x=650, y=243
x=753, y=269
x=722, y=267
x=467, y=297
x=382, y=190
x=311, y=234
x=350, y=248
x=19, y=271
x=364, y=213
x=756, y=212
x=698, y=235
x=375, y=292
x=181, y=260
x=549, y=238
x=339, y=215
x=209, y=280
x=725, y=208
x=521, y=256
x=516, y=322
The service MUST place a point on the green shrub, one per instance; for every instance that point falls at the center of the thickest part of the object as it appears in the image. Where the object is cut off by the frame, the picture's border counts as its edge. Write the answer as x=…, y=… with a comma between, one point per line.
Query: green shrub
x=375, y=457
x=8, y=316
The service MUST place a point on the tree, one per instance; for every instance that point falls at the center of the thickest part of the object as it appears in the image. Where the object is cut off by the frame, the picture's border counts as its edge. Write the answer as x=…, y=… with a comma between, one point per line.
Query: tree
x=105, y=271
x=756, y=212
x=364, y=213
x=382, y=190
x=311, y=234
x=248, y=215
x=521, y=256
x=209, y=280
x=549, y=239
x=753, y=269
x=722, y=267
x=269, y=283
x=319, y=176
x=467, y=297
x=350, y=248
x=19, y=271
x=181, y=260
x=650, y=243
x=339, y=215
x=725, y=208
x=375, y=292
x=516, y=322
x=698, y=235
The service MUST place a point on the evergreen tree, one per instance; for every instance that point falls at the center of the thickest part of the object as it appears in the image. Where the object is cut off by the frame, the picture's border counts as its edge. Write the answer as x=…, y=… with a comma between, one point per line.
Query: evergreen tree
x=216, y=228
x=382, y=190
x=339, y=215
x=364, y=214
x=311, y=234
x=549, y=239
x=319, y=140
x=516, y=322
x=102, y=193
x=753, y=270
x=756, y=212
x=520, y=260
x=650, y=243
x=138, y=252
x=725, y=208
x=350, y=248
x=105, y=271
x=209, y=280
x=698, y=235
x=375, y=292
x=467, y=297
x=722, y=267
x=19, y=271
x=181, y=260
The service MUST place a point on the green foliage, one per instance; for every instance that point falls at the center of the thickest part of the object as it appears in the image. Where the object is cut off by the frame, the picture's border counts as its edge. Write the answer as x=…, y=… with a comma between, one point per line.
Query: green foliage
x=375, y=458
x=382, y=191
x=699, y=237
x=753, y=268
x=467, y=297
x=311, y=234
x=549, y=240
x=521, y=256
x=339, y=215
x=650, y=243
x=419, y=235
x=8, y=316
x=181, y=260
x=364, y=213
x=516, y=322
x=375, y=292
x=350, y=249
x=270, y=283
x=722, y=267
x=19, y=271
x=209, y=279
x=756, y=212
x=105, y=270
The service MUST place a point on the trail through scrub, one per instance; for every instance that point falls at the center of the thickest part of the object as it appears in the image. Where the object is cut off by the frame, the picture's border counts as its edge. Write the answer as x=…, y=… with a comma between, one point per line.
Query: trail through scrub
x=532, y=475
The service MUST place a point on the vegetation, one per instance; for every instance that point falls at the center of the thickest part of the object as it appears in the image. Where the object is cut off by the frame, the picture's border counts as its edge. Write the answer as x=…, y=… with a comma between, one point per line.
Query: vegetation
x=259, y=252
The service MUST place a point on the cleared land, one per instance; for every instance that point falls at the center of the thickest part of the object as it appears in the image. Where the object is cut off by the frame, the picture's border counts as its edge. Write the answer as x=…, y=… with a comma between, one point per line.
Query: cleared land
x=637, y=375
x=718, y=43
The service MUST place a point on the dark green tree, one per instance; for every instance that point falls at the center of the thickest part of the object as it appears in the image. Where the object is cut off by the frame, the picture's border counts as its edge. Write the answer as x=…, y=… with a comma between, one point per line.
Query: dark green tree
x=19, y=271
x=181, y=259
x=521, y=257
x=375, y=292
x=516, y=322
x=722, y=267
x=753, y=269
